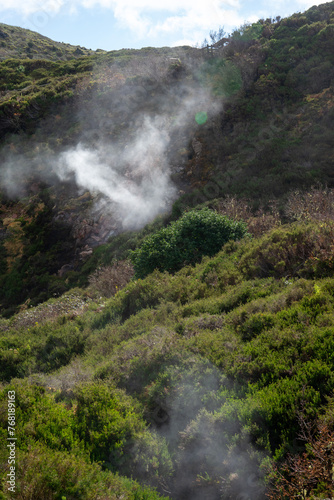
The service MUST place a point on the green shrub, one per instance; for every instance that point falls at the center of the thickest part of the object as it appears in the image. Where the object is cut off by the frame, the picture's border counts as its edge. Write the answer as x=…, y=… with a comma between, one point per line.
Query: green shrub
x=292, y=250
x=185, y=241
x=47, y=474
x=110, y=425
x=255, y=325
x=106, y=422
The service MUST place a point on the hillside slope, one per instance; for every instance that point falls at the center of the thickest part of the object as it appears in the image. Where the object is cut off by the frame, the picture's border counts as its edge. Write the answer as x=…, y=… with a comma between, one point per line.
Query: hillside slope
x=191, y=383
x=20, y=43
x=252, y=119
x=213, y=380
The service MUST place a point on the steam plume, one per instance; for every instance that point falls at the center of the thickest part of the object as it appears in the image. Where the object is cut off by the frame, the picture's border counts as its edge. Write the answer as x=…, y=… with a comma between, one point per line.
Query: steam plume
x=135, y=182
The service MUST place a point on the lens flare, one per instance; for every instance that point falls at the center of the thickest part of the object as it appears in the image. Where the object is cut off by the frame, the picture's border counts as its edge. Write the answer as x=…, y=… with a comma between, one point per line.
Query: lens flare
x=201, y=117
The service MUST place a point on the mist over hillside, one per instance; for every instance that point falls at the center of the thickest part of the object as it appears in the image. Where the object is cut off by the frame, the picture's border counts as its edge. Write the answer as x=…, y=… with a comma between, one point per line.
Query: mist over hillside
x=166, y=264
x=129, y=137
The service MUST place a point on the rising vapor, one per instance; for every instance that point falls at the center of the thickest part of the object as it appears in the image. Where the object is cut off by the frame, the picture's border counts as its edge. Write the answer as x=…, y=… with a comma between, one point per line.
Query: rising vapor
x=135, y=178
x=135, y=182
x=128, y=148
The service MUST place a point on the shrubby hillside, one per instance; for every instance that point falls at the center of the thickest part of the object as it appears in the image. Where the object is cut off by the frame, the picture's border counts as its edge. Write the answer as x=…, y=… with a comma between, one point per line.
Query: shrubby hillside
x=19, y=43
x=166, y=265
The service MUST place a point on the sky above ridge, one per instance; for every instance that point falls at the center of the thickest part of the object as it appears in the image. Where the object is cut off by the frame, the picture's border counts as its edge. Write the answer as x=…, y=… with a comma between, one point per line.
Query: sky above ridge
x=117, y=24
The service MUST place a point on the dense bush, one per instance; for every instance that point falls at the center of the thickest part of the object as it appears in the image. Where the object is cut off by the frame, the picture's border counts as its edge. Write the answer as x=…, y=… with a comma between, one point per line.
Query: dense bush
x=48, y=474
x=196, y=233
x=230, y=347
x=98, y=423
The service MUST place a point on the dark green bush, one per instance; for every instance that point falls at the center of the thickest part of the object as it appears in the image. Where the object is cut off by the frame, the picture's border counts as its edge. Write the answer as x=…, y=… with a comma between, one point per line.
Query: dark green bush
x=46, y=474
x=185, y=241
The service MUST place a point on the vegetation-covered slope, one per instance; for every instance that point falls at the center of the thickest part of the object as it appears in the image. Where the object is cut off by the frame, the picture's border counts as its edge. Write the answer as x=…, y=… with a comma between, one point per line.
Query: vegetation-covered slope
x=263, y=105
x=213, y=380
x=222, y=365
x=21, y=43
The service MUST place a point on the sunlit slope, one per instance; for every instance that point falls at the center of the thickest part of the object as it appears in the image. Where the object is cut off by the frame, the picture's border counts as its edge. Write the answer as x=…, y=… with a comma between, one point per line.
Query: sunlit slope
x=20, y=43
x=189, y=382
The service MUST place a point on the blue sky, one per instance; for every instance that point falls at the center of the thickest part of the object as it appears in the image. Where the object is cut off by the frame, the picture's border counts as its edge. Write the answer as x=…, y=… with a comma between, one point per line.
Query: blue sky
x=116, y=24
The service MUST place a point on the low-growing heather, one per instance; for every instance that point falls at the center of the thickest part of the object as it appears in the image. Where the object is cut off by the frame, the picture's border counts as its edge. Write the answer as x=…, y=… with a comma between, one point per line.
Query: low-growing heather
x=214, y=361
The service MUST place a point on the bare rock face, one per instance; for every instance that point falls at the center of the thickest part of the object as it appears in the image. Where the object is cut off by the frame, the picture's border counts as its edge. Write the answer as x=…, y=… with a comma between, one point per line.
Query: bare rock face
x=64, y=216
x=89, y=220
x=93, y=231
x=87, y=252
x=197, y=146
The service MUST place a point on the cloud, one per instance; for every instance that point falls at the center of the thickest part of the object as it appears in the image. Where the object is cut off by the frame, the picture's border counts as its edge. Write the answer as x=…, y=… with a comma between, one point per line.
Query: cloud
x=197, y=19
x=147, y=18
x=165, y=22
x=306, y=4
x=184, y=20
x=184, y=17
x=32, y=6
x=284, y=7
x=135, y=13
x=187, y=20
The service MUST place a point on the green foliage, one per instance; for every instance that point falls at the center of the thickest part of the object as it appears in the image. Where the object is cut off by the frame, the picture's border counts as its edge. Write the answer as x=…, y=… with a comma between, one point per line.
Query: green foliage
x=189, y=380
x=36, y=348
x=289, y=251
x=217, y=357
x=45, y=244
x=185, y=241
x=113, y=432
x=44, y=473
x=222, y=76
x=18, y=43
x=106, y=422
x=101, y=423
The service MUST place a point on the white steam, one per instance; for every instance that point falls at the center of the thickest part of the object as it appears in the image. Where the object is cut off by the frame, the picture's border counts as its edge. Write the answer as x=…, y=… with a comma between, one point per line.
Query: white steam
x=135, y=178
x=135, y=182
x=132, y=142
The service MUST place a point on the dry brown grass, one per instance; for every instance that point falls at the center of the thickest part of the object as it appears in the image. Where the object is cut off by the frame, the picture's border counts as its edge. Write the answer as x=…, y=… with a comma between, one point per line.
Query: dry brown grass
x=317, y=204
x=259, y=222
x=108, y=280
x=305, y=476
x=71, y=304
